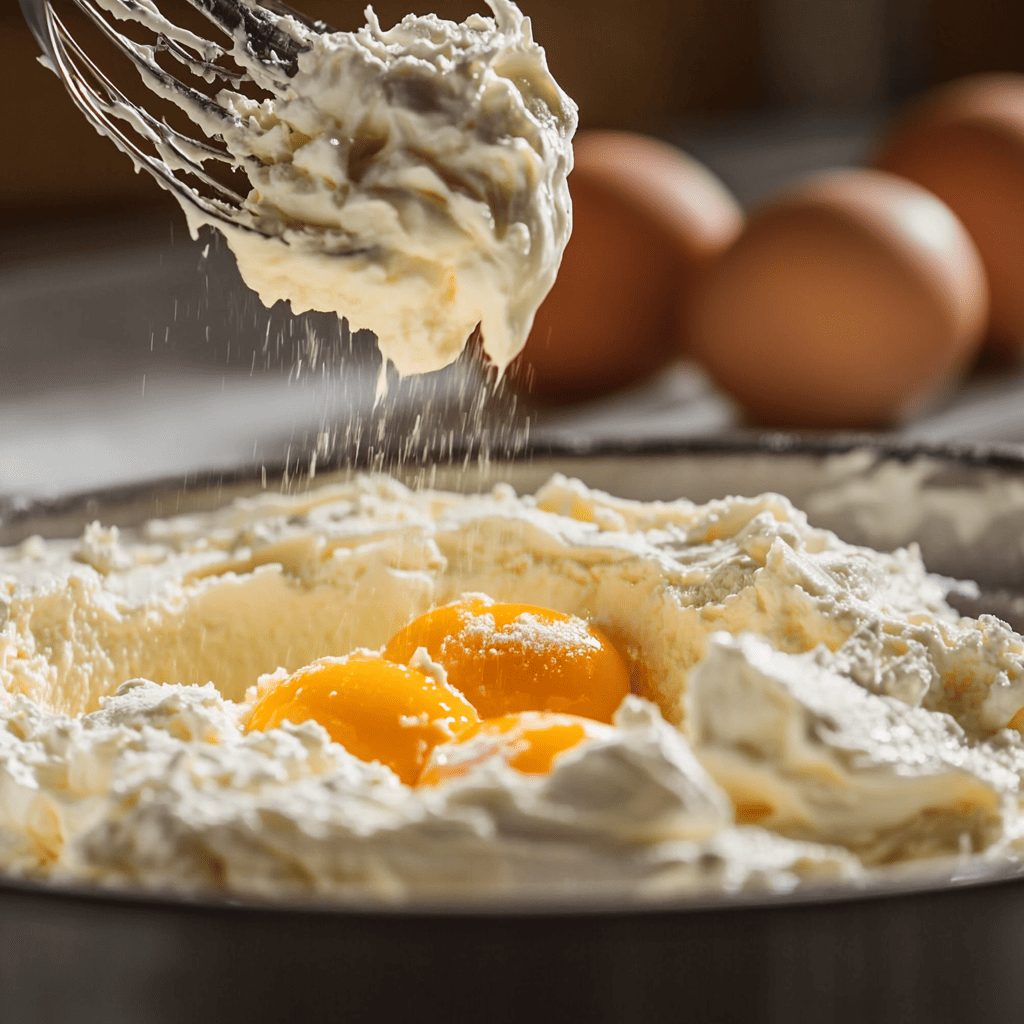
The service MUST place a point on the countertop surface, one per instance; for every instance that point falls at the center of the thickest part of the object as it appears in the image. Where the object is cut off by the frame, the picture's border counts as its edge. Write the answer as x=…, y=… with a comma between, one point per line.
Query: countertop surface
x=129, y=351
x=145, y=360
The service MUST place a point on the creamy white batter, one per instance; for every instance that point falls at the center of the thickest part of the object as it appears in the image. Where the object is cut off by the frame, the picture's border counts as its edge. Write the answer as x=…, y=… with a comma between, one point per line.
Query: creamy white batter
x=811, y=709
x=411, y=179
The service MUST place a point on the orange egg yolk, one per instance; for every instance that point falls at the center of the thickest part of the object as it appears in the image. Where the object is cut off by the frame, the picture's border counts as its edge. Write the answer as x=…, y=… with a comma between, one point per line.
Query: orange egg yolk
x=529, y=742
x=377, y=710
x=508, y=658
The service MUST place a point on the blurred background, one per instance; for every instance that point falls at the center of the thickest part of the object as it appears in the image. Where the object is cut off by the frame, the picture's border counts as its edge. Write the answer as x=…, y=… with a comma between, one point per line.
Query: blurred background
x=670, y=67
x=126, y=349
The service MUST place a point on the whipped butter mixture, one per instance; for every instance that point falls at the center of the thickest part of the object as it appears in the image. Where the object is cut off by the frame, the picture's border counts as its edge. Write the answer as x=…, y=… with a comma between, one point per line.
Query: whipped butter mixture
x=803, y=710
x=411, y=179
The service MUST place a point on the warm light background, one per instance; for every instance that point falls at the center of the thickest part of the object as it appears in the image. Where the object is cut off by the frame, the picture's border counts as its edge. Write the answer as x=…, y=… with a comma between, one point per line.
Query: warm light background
x=676, y=60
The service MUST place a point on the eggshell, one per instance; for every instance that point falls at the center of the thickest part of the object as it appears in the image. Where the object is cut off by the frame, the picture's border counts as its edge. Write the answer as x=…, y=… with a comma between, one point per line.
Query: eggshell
x=647, y=221
x=965, y=143
x=846, y=302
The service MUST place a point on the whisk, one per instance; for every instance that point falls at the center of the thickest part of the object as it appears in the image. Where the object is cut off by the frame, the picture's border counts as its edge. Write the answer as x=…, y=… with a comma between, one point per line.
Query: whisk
x=412, y=178
x=268, y=37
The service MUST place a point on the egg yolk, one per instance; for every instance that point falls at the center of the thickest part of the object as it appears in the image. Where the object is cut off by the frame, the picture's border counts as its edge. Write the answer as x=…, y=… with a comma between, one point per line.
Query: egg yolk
x=508, y=658
x=529, y=742
x=378, y=711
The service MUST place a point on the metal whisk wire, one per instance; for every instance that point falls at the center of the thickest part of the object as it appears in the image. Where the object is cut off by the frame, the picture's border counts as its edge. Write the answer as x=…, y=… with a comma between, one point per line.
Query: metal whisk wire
x=269, y=58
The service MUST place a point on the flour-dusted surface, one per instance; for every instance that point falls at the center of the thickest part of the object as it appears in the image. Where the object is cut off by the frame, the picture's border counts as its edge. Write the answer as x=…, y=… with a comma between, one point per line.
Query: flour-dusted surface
x=809, y=709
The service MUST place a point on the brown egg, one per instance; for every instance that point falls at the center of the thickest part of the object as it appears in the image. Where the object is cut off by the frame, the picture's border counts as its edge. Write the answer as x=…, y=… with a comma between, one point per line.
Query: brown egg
x=647, y=220
x=965, y=143
x=846, y=302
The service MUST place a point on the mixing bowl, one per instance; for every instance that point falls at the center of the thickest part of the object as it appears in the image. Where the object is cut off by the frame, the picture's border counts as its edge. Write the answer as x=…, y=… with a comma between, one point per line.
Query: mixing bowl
x=934, y=945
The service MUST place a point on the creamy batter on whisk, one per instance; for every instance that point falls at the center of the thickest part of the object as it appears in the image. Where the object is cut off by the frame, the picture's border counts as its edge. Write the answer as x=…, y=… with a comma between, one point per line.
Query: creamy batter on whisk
x=411, y=179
